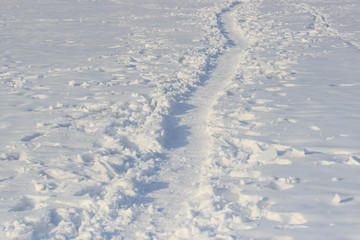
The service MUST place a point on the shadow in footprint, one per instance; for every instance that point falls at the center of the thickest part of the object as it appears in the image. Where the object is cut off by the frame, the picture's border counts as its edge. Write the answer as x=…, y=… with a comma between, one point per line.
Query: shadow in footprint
x=176, y=134
x=28, y=138
x=177, y=137
x=146, y=188
x=181, y=108
x=142, y=198
x=347, y=200
x=24, y=204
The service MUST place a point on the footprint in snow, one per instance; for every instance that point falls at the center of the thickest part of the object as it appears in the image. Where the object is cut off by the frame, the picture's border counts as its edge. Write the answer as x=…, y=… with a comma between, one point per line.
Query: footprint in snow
x=293, y=218
x=10, y=156
x=273, y=89
x=24, y=204
x=353, y=160
x=283, y=183
x=39, y=96
x=337, y=199
x=28, y=138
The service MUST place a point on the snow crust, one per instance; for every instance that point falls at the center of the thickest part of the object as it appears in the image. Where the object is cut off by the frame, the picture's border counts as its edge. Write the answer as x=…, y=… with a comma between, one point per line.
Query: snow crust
x=179, y=119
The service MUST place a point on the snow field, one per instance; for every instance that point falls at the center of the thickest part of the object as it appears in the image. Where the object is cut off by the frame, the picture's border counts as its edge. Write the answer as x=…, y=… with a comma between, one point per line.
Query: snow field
x=179, y=120
x=99, y=113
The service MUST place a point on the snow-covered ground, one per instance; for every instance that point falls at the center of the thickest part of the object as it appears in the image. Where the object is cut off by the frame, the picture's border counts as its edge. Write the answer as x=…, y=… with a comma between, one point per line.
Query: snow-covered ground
x=211, y=119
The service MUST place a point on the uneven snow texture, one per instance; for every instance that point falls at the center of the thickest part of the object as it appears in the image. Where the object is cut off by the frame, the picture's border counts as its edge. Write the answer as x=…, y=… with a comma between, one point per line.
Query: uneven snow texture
x=179, y=119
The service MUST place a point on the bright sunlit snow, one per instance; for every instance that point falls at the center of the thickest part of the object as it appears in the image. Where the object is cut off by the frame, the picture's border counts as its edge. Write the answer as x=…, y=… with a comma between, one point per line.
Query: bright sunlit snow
x=207, y=119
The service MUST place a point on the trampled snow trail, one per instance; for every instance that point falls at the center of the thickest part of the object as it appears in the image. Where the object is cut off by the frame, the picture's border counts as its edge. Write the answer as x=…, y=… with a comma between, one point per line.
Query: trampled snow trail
x=228, y=177
x=189, y=141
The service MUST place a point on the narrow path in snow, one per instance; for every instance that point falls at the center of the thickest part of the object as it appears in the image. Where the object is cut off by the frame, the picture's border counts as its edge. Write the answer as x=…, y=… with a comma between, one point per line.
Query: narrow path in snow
x=190, y=139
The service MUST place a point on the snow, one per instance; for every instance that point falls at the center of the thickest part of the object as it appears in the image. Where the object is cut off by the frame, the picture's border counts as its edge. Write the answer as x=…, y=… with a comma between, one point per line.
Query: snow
x=179, y=120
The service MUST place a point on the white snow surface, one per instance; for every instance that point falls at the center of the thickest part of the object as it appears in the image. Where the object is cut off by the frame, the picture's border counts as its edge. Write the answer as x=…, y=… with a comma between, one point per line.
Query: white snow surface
x=208, y=119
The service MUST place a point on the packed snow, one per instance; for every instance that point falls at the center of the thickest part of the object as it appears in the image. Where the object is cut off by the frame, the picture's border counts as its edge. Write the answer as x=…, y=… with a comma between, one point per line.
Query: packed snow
x=208, y=119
